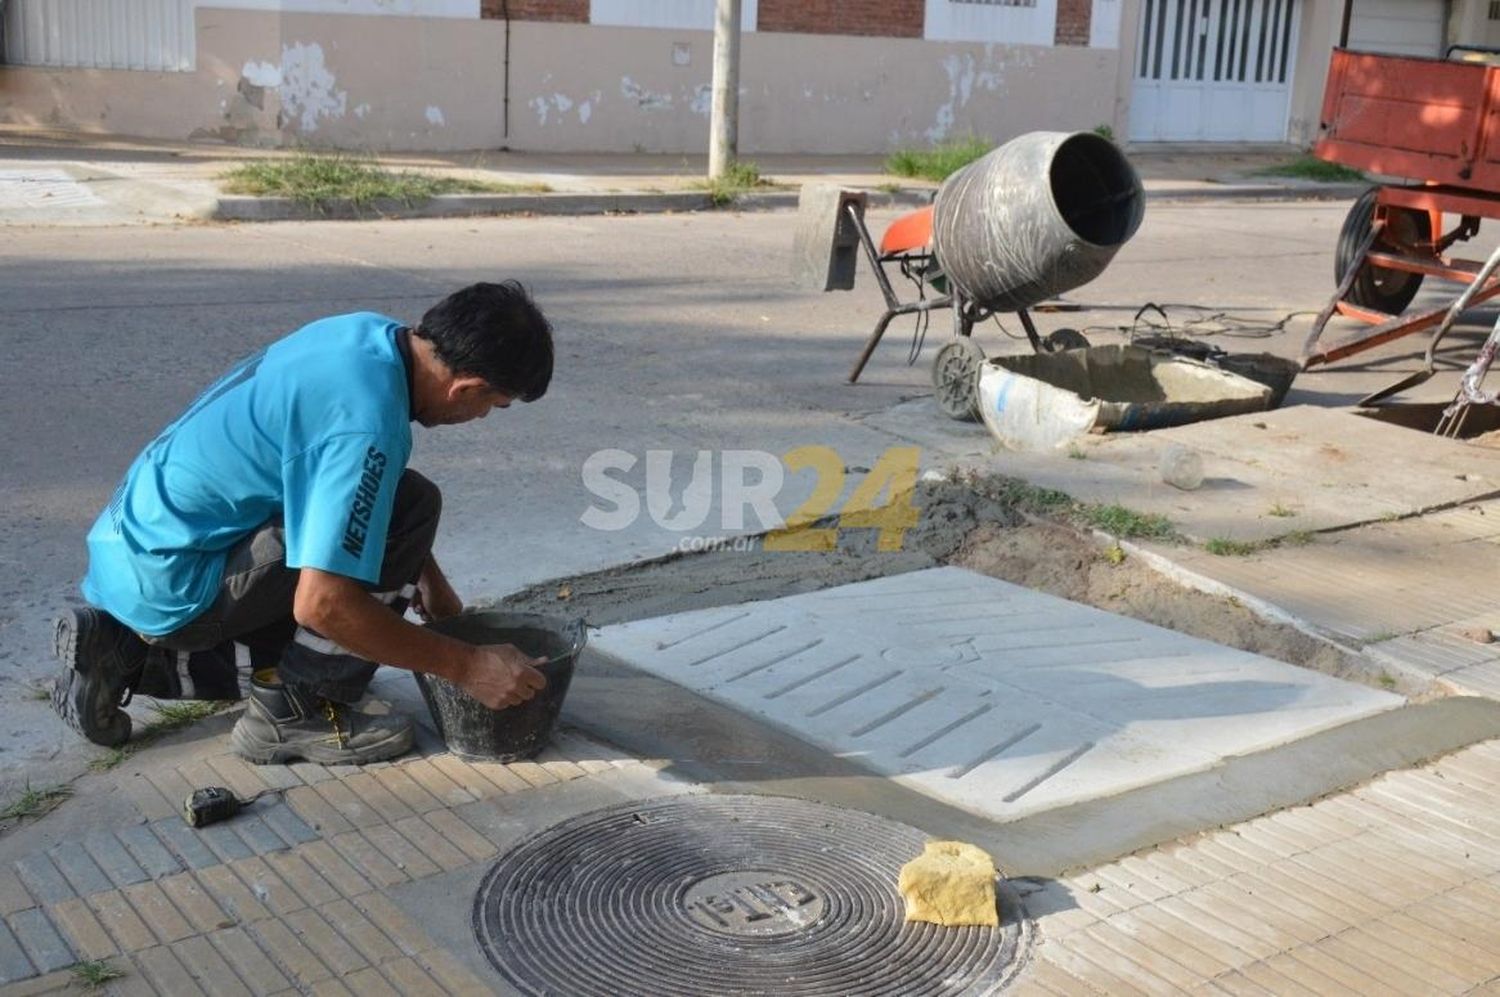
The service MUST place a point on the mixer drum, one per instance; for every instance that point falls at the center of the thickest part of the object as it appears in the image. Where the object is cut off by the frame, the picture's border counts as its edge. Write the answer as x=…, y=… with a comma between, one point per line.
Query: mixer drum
x=1040, y=215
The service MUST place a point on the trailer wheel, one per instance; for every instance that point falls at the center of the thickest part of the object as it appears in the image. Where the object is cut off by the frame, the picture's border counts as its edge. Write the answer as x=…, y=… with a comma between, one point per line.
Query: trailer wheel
x=1065, y=339
x=1384, y=290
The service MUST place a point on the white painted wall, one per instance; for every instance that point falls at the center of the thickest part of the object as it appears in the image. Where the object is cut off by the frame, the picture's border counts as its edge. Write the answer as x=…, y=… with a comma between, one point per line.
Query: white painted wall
x=1104, y=24
x=398, y=8
x=695, y=15
x=968, y=21
x=100, y=34
x=1400, y=27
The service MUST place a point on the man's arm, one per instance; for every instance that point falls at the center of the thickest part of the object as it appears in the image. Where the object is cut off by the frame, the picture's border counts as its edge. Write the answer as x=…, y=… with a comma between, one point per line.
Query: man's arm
x=435, y=598
x=341, y=610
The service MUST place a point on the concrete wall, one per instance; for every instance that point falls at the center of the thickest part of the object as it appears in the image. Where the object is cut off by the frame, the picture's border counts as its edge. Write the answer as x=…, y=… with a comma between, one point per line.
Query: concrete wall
x=438, y=83
x=578, y=88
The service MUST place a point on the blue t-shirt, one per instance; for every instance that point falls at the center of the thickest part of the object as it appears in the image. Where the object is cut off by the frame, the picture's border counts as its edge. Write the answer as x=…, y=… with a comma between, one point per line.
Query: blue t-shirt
x=315, y=428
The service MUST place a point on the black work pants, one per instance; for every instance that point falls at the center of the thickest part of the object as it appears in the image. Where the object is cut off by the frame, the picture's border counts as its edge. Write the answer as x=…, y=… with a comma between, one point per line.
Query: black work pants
x=250, y=625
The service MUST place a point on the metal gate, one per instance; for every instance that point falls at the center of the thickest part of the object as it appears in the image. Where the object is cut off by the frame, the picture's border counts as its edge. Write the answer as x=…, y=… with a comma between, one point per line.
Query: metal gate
x=1214, y=70
x=100, y=34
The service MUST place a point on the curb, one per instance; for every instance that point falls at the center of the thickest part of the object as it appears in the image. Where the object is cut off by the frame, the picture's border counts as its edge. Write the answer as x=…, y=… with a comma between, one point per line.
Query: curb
x=1260, y=192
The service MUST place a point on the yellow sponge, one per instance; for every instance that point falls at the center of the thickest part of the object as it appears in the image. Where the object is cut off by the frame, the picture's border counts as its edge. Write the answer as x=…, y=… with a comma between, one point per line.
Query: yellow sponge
x=950, y=883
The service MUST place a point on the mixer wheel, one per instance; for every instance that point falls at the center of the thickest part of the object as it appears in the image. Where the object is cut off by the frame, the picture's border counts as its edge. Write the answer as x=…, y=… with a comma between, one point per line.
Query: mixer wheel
x=1065, y=339
x=955, y=379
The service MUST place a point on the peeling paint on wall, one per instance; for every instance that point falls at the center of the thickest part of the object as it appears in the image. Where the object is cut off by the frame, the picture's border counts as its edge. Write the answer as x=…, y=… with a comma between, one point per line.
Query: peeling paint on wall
x=562, y=104
x=703, y=100
x=966, y=75
x=434, y=115
x=647, y=99
x=307, y=87
x=262, y=74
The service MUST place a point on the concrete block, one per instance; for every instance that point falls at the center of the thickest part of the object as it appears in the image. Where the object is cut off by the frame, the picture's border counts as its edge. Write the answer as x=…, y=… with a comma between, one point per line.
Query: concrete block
x=110, y=854
x=184, y=842
x=148, y=850
x=825, y=243
x=42, y=879
x=223, y=842
x=254, y=832
x=82, y=873
x=41, y=940
x=280, y=818
x=14, y=965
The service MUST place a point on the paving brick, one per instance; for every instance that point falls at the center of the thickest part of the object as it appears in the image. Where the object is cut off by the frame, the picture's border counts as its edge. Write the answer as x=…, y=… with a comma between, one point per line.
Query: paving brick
x=320, y=936
x=14, y=965
x=368, y=860
x=1147, y=963
x=309, y=773
x=1456, y=956
x=559, y=767
x=296, y=873
x=253, y=965
x=309, y=805
x=369, y=983
x=13, y=893
x=1217, y=928
x=354, y=810
x=410, y=980
x=121, y=921
x=1173, y=947
x=459, y=833
x=208, y=968
x=148, y=799
x=42, y=879
x=111, y=855
x=60, y=982
x=281, y=819
x=452, y=974
x=431, y=844
x=231, y=894
x=197, y=907
x=1384, y=965
x=165, y=972
x=470, y=780
x=82, y=929
x=406, y=856
x=172, y=786
x=1309, y=962
x=258, y=835
x=332, y=867
x=281, y=777
x=244, y=780
x=389, y=918
x=147, y=850
x=40, y=938
x=533, y=773
x=374, y=795
x=406, y=789
x=331, y=988
x=268, y=887
x=81, y=871
x=1378, y=940
x=223, y=842
x=274, y=936
x=158, y=912
x=430, y=778
x=358, y=930
x=184, y=842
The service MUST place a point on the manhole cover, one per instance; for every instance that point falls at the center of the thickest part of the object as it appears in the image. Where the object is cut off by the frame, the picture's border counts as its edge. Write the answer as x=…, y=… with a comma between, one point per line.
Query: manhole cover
x=727, y=895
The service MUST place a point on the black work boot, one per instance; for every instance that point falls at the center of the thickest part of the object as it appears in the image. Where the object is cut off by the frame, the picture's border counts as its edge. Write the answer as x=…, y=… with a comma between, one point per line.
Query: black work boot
x=284, y=723
x=103, y=661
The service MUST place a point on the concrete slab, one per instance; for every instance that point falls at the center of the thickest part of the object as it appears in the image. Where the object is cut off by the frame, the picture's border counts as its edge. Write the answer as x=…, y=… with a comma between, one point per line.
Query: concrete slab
x=1328, y=467
x=997, y=699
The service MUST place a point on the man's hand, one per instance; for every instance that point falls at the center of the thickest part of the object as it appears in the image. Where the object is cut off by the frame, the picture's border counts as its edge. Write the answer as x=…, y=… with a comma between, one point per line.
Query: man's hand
x=500, y=675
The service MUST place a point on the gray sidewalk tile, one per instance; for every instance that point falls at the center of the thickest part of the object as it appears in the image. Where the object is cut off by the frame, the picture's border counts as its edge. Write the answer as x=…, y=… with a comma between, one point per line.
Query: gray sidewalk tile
x=286, y=823
x=82, y=873
x=254, y=832
x=222, y=840
x=42, y=879
x=13, y=962
x=112, y=857
x=41, y=940
x=183, y=840
x=149, y=852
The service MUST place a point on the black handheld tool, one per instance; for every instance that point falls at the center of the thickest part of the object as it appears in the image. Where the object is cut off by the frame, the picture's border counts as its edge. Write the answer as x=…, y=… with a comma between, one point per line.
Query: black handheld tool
x=209, y=806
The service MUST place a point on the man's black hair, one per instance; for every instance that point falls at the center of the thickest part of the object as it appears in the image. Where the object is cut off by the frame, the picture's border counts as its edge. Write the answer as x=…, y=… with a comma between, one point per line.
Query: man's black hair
x=493, y=331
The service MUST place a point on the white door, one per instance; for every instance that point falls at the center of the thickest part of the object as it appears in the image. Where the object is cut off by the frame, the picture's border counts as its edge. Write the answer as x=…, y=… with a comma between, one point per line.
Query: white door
x=1214, y=70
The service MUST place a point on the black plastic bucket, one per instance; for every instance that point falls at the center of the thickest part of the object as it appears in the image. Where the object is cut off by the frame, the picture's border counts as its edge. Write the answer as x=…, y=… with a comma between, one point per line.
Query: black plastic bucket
x=473, y=730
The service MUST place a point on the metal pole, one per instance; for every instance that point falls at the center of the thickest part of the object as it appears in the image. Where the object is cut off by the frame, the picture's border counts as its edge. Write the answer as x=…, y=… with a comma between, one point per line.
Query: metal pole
x=724, y=121
x=1344, y=25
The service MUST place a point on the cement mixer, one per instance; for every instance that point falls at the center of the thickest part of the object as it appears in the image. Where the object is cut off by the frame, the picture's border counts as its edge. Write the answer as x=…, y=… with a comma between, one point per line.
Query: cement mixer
x=1032, y=219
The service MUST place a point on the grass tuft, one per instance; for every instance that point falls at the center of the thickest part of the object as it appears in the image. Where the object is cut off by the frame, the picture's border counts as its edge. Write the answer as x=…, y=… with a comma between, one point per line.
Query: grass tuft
x=740, y=178
x=1127, y=523
x=93, y=974
x=1309, y=167
x=35, y=802
x=315, y=179
x=1224, y=547
x=1387, y=680
x=171, y=716
x=939, y=161
x=1282, y=511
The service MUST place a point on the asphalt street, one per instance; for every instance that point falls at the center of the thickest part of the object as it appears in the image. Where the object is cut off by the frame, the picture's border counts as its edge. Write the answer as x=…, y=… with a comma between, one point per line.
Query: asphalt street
x=678, y=333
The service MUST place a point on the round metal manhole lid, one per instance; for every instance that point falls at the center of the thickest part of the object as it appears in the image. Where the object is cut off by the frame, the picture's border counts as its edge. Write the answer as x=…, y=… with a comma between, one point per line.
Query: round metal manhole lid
x=695, y=895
